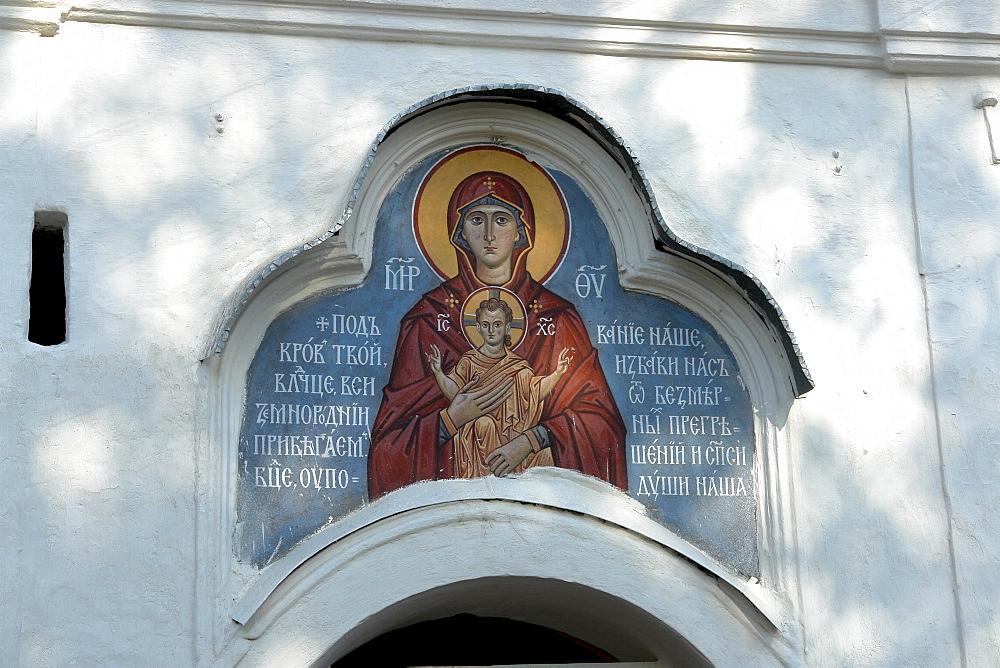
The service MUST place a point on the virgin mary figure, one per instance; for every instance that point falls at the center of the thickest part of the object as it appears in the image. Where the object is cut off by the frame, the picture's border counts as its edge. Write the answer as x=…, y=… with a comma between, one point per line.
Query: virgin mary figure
x=491, y=225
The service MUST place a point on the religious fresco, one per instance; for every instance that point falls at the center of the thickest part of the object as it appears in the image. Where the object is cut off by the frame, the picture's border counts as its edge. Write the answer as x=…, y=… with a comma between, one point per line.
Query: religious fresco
x=492, y=336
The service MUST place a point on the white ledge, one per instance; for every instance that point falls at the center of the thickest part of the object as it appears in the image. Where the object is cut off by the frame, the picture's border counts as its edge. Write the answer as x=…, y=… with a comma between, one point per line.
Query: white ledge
x=941, y=53
x=496, y=29
x=553, y=488
x=898, y=51
x=39, y=17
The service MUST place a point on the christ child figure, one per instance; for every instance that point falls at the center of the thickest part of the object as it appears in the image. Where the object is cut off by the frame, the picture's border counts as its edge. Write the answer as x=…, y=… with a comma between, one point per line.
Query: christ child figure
x=478, y=444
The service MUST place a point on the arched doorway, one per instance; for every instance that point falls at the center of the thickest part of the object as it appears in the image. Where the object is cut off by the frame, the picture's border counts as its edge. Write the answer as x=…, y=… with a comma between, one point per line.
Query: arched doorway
x=470, y=640
x=512, y=621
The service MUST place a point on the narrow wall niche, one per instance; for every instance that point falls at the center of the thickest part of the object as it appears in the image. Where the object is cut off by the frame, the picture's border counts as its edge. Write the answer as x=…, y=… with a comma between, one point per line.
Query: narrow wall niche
x=47, y=291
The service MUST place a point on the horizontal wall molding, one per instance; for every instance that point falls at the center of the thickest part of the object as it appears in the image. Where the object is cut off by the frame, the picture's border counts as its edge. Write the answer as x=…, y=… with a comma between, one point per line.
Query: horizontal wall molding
x=498, y=29
x=42, y=18
x=941, y=53
x=897, y=51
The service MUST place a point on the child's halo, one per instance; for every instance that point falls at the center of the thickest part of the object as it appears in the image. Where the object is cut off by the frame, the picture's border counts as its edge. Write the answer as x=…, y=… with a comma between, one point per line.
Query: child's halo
x=517, y=325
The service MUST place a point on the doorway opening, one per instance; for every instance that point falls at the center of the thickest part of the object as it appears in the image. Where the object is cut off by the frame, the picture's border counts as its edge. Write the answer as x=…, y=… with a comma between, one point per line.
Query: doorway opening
x=507, y=621
x=469, y=640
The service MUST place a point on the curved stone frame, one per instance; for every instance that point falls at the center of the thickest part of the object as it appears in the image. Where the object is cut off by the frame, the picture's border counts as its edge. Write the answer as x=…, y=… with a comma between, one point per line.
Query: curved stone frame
x=332, y=603
x=239, y=606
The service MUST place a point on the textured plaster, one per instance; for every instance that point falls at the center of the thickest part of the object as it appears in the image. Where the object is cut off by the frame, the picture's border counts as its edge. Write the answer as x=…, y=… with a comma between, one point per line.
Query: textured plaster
x=170, y=218
x=956, y=196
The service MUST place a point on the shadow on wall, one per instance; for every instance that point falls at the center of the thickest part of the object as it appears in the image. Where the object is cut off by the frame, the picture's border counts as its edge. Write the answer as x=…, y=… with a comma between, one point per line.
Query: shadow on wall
x=168, y=216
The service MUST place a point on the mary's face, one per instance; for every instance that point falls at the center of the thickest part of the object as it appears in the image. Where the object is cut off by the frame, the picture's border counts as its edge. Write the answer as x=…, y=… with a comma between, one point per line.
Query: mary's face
x=491, y=232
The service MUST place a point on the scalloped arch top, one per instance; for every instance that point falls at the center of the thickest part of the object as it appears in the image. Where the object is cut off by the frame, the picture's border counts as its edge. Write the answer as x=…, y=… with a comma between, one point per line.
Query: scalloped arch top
x=562, y=107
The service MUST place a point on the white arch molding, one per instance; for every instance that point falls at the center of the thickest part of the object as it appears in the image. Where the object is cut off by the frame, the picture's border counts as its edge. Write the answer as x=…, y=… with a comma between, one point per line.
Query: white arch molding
x=305, y=601
x=600, y=582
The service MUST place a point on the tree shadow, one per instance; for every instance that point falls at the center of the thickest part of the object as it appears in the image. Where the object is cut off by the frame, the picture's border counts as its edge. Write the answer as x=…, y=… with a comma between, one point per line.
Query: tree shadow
x=168, y=216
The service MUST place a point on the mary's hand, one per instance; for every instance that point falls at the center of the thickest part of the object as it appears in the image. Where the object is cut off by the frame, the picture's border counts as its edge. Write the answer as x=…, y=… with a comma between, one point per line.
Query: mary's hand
x=505, y=459
x=470, y=404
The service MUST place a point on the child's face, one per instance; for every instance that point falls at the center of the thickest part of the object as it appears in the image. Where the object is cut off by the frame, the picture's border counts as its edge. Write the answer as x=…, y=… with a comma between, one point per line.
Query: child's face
x=493, y=326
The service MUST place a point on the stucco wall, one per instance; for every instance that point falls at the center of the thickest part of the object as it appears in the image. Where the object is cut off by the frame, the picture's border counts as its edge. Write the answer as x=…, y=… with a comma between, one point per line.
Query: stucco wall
x=956, y=189
x=864, y=200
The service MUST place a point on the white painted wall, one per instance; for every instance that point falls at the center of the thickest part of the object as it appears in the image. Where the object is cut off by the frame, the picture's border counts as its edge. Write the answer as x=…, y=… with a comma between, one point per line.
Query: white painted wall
x=885, y=269
x=956, y=201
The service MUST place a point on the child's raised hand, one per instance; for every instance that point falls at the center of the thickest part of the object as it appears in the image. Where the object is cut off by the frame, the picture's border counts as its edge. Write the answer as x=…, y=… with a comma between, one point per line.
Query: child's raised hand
x=434, y=359
x=564, y=359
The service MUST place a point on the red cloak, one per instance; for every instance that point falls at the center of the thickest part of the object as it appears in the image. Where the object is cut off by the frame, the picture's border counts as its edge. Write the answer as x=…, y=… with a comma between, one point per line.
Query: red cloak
x=586, y=431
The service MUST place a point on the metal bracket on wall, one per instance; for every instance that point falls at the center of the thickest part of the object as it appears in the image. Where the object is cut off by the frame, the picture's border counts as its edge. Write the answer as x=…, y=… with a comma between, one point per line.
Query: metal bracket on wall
x=988, y=105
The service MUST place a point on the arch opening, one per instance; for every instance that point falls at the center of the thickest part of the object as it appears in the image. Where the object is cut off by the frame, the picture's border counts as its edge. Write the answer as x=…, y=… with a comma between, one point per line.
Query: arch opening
x=548, y=621
x=470, y=640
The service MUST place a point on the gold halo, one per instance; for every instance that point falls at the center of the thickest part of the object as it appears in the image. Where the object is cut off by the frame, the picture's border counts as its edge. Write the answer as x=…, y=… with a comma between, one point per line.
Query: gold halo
x=473, y=301
x=430, y=208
